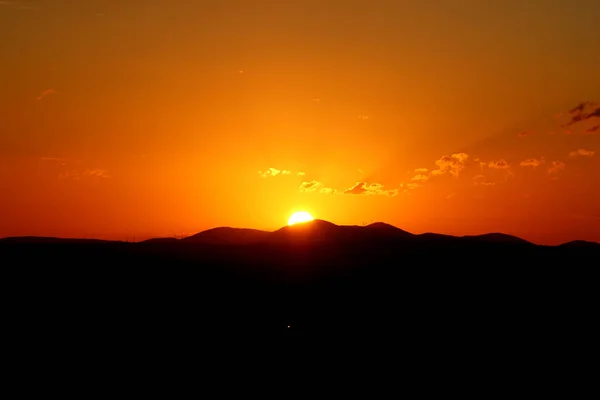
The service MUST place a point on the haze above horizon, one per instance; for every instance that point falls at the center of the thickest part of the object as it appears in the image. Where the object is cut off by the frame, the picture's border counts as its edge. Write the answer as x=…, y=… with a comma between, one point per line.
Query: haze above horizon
x=150, y=118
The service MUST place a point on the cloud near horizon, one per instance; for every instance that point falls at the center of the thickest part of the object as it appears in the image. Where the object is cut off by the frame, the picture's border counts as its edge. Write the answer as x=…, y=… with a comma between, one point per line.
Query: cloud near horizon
x=315, y=187
x=275, y=172
x=499, y=164
x=556, y=167
x=370, y=189
x=480, y=180
x=532, y=162
x=582, y=153
x=452, y=164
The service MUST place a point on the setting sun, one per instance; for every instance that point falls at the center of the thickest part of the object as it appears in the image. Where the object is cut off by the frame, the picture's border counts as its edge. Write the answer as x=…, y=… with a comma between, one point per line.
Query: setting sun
x=299, y=217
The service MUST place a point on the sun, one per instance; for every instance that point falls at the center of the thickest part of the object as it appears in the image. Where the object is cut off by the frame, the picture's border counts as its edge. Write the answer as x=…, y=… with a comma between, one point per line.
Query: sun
x=299, y=217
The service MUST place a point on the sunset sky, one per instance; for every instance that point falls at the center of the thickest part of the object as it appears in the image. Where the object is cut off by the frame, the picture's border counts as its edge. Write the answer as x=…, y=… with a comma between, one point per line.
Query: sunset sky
x=136, y=119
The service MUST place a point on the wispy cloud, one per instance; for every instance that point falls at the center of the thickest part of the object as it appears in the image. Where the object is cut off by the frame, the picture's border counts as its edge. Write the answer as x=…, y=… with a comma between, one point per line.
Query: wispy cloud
x=60, y=160
x=54, y=159
x=275, y=172
x=593, y=129
x=480, y=180
x=582, y=153
x=46, y=93
x=526, y=133
x=370, y=189
x=499, y=164
x=452, y=164
x=315, y=187
x=556, y=166
x=532, y=162
x=77, y=174
x=583, y=111
x=20, y=5
x=408, y=186
x=420, y=178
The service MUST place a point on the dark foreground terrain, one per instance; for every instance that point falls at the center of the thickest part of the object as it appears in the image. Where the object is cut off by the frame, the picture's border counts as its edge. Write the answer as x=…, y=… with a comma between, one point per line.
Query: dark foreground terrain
x=432, y=294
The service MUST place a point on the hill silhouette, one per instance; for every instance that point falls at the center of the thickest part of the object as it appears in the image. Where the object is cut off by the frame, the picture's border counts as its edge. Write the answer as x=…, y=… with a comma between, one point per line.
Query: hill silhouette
x=227, y=235
x=494, y=293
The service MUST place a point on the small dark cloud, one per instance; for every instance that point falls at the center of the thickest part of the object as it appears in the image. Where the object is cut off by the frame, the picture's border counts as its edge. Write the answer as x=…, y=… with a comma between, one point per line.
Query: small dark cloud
x=593, y=129
x=583, y=111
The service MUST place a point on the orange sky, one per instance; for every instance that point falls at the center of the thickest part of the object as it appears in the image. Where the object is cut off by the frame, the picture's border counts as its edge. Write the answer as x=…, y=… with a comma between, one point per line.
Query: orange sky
x=123, y=119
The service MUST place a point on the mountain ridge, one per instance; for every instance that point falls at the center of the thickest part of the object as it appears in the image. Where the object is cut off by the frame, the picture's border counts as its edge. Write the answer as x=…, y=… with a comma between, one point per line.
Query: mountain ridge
x=316, y=231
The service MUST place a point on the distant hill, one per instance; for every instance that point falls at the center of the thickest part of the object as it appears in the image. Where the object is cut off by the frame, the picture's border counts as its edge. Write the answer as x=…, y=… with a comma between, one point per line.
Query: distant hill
x=320, y=231
x=227, y=235
x=315, y=278
x=48, y=239
x=581, y=244
x=498, y=238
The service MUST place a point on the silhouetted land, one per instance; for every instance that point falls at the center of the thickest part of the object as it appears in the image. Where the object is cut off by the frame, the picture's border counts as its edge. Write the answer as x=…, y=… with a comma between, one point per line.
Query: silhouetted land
x=438, y=293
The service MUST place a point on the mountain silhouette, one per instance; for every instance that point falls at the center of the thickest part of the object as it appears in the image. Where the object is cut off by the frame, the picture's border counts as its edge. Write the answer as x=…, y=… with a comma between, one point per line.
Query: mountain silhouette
x=318, y=231
x=498, y=238
x=227, y=235
x=494, y=292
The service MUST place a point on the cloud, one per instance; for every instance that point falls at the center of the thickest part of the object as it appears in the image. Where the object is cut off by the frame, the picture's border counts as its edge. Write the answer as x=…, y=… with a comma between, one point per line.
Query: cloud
x=593, y=129
x=526, y=133
x=583, y=111
x=372, y=189
x=269, y=172
x=452, y=164
x=315, y=187
x=582, y=153
x=275, y=172
x=480, y=163
x=62, y=161
x=77, y=175
x=20, y=5
x=309, y=187
x=480, y=180
x=532, y=162
x=499, y=164
x=420, y=178
x=46, y=93
x=556, y=167
x=421, y=170
x=410, y=186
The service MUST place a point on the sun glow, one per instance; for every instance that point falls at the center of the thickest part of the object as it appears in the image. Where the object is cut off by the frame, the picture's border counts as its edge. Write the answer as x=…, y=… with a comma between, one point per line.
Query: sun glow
x=299, y=217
